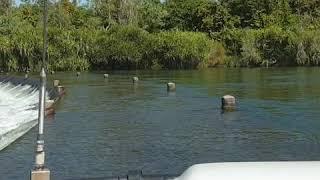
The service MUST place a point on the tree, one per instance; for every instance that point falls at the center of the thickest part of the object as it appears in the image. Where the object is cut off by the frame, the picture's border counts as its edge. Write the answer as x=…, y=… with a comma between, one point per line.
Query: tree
x=5, y=6
x=305, y=7
x=151, y=15
x=250, y=12
x=117, y=11
x=201, y=15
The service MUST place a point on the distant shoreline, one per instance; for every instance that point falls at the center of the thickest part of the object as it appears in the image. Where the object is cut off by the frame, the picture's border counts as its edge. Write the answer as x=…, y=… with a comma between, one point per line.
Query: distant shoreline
x=155, y=70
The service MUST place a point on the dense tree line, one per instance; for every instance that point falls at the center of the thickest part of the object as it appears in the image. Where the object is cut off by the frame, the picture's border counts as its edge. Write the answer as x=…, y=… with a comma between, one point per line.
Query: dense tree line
x=149, y=34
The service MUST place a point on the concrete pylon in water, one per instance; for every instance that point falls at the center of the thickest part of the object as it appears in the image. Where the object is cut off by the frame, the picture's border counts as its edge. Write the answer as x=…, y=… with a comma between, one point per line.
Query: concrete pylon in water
x=228, y=103
x=56, y=83
x=135, y=79
x=171, y=87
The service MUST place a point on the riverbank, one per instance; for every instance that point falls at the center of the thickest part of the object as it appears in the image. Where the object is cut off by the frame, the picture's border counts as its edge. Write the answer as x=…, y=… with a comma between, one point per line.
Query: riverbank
x=129, y=47
x=161, y=35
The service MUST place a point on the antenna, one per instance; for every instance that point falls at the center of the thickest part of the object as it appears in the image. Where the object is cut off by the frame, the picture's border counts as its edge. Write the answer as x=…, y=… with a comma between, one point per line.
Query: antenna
x=40, y=172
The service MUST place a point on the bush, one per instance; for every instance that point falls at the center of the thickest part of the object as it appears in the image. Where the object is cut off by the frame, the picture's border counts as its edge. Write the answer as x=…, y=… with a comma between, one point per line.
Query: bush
x=308, y=48
x=302, y=57
x=70, y=64
x=129, y=47
x=269, y=46
x=250, y=54
x=216, y=56
x=122, y=47
x=315, y=53
x=277, y=46
x=182, y=50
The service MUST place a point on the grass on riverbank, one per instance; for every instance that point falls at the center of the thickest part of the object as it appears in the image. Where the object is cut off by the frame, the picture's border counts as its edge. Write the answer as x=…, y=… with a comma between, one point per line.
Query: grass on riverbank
x=130, y=47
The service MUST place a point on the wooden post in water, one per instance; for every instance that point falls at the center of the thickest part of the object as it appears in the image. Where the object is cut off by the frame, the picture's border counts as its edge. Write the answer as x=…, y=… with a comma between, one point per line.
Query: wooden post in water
x=135, y=80
x=61, y=90
x=26, y=76
x=228, y=103
x=171, y=87
x=56, y=83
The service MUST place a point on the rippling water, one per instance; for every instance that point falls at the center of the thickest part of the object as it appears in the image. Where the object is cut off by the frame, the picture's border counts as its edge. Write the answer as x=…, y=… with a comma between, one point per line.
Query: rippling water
x=108, y=127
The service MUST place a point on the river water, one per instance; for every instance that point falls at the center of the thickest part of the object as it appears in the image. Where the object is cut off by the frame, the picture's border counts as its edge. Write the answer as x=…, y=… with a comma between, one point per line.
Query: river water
x=108, y=127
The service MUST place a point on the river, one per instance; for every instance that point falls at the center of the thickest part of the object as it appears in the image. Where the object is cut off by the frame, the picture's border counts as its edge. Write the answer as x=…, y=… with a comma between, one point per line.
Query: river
x=106, y=127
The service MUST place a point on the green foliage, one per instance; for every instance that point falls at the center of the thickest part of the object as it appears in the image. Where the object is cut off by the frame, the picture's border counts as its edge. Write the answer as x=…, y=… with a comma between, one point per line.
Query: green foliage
x=5, y=6
x=216, y=56
x=250, y=54
x=131, y=47
x=305, y=7
x=70, y=64
x=121, y=47
x=308, y=48
x=302, y=57
x=272, y=46
x=182, y=50
x=20, y=43
x=201, y=15
x=149, y=34
x=277, y=45
x=152, y=15
x=250, y=12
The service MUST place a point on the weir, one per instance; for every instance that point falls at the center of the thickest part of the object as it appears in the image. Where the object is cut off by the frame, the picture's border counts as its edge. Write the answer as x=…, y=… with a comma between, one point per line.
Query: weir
x=19, y=103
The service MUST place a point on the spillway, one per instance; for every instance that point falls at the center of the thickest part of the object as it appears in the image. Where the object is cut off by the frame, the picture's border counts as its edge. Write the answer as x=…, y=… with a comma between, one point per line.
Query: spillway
x=19, y=100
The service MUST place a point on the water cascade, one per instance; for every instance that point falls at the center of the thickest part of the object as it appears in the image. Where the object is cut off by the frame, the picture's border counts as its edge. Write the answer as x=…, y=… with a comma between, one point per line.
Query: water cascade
x=19, y=99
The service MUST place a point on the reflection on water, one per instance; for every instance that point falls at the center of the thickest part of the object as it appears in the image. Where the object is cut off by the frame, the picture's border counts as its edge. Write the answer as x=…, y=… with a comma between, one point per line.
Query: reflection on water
x=106, y=127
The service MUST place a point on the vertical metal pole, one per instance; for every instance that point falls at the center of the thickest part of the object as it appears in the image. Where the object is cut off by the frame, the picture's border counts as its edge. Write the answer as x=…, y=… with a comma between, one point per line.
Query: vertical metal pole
x=40, y=155
x=39, y=172
x=42, y=93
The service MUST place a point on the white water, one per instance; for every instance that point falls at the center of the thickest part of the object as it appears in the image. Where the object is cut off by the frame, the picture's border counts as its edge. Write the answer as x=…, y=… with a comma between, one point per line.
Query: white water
x=18, y=111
